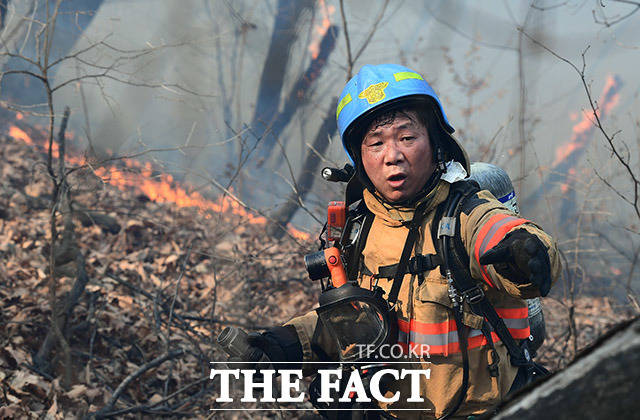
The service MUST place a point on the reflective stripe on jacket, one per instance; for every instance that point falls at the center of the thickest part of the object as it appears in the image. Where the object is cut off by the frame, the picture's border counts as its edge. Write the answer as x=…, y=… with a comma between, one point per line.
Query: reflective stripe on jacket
x=442, y=338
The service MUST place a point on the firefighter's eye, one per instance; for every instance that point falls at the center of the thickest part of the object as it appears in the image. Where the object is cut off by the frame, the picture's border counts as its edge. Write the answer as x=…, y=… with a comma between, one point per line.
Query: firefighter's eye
x=408, y=138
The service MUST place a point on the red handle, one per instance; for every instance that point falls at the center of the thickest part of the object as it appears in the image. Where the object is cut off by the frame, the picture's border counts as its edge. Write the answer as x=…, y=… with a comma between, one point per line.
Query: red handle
x=336, y=268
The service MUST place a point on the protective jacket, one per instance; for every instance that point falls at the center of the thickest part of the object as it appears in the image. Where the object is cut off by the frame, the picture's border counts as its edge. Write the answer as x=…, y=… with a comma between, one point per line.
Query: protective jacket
x=424, y=308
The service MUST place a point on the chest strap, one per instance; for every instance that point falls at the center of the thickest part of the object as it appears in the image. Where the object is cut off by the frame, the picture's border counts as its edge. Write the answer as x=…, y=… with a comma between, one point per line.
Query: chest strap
x=401, y=267
x=416, y=265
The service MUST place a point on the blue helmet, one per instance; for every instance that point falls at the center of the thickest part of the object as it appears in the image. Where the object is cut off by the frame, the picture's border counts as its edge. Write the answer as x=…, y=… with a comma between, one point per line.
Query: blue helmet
x=378, y=88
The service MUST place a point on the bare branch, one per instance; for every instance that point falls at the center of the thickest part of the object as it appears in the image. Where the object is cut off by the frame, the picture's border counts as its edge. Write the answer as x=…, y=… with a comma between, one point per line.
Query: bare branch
x=605, y=20
x=49, y=32
x=469, y=37
x=125, y=383
x=346, y=37
x=372, y=31
x=626, y=164
x=553, y=6
x=25, y=72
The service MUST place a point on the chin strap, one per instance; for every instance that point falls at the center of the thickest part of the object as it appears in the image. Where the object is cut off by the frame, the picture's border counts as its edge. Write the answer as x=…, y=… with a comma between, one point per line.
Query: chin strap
x=440, y=163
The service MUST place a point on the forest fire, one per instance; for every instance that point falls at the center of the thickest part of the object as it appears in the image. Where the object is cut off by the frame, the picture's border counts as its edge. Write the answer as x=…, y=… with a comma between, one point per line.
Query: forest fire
x=566, y=155
x=160, y=188
x=322, y=29
x=608, y=100
x=164, y=189
x=563, y=171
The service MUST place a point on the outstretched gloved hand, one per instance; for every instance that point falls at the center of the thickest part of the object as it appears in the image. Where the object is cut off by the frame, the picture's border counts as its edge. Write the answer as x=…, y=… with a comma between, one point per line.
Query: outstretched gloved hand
x=522, y=258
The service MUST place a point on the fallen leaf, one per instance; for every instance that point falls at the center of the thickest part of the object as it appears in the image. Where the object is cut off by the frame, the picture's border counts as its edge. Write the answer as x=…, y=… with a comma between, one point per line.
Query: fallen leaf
x=76, y=391
x=92, y=393
x=53, y=410
x=155, y=398
x=9, y=412
x=21, y=379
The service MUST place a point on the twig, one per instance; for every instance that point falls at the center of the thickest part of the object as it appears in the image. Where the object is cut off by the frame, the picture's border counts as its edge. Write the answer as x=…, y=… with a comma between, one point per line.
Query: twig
x=145, y=407
x=155, y=299
x=608, y=23
x=62, y=143
x=38, y=371
x=522, y=106
x=346, y=37
x=60, y=196
x=545, y=8
x=226, y=322
x=373, y=30
x=133, y=376
x=630, y=292
x=214, y=298
x=175, y=294
x=173, y=303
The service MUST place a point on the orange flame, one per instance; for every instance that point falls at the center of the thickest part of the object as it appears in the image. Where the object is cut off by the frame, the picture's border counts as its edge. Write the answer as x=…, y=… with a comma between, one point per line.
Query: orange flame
x=608, y=100
x=321, y=30
x=298, y=234
x=160, y=188
x=19, y=134
x=163, y=189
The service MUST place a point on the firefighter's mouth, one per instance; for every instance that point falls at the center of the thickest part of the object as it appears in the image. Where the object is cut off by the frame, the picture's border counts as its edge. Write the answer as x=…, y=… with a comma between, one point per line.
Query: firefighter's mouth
x=397, y=179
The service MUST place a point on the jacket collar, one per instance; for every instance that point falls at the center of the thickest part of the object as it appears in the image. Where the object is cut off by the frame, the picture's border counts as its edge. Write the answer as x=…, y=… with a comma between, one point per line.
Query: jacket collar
x=399, y=215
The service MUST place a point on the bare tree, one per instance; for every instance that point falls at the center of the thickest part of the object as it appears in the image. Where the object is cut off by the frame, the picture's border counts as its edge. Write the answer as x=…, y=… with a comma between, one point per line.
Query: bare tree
x=40, y=66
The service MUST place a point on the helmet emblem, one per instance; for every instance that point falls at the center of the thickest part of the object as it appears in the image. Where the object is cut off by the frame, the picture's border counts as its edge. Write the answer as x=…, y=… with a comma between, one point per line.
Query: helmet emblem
x=374, y=93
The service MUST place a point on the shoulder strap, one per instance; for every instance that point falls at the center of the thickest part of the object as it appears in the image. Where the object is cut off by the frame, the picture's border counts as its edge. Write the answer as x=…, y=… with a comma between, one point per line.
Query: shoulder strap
x=470, y=291
x=360, y=218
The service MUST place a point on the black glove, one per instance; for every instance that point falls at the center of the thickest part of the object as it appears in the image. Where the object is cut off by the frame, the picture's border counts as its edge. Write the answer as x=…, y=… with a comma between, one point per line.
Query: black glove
x=522, y=258
x=280, y=344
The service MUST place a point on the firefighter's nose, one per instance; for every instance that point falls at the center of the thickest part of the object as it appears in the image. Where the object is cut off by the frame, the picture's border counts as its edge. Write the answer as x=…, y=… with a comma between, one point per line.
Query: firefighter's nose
x=393, y=154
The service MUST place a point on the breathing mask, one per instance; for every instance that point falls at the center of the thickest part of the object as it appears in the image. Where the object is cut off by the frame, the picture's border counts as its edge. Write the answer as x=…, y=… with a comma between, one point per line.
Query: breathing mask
x=359, y=320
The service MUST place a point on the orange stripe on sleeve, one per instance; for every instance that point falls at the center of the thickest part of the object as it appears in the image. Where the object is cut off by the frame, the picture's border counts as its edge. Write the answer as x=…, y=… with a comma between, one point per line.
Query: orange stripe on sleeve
x=513, y=313
x=490, y=234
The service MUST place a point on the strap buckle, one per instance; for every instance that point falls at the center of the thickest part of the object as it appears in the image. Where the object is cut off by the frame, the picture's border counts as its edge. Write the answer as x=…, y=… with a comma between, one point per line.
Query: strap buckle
x=417, y=264
x=494, y=365
x=422, y=263
x=473, y=295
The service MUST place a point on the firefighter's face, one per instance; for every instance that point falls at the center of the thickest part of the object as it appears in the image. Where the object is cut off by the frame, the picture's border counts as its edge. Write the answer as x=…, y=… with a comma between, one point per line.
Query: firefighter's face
x=397, y=156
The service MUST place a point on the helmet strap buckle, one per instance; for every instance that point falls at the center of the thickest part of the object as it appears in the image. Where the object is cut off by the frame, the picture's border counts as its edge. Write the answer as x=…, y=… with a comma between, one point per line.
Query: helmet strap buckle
x=440, y=161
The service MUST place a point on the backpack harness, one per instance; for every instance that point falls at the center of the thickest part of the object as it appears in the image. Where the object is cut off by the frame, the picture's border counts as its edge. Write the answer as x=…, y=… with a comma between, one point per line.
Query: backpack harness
x=452, y=258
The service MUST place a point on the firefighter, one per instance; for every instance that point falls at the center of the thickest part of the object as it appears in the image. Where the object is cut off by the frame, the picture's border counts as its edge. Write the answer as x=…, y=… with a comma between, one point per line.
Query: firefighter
x=407, y=165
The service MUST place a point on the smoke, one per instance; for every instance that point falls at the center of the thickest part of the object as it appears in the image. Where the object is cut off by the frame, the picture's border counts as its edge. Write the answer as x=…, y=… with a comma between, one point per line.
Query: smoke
x=243, y=84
